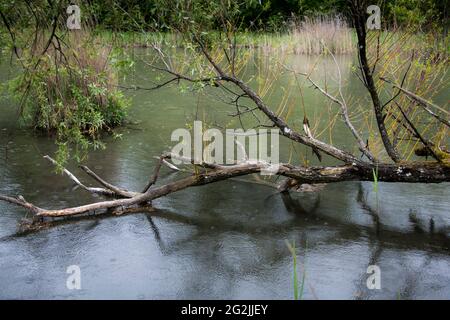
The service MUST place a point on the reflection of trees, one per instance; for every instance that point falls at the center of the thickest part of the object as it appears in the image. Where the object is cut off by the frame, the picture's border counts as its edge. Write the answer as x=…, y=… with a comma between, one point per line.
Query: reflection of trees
x=406, y=291
x=379, y=237
x=260, y=247
x=300, y=216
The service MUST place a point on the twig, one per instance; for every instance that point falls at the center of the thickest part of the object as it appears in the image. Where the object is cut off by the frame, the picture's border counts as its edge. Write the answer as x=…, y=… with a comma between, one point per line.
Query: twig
x=106, y=192
x=116, y=190
x=422, y=102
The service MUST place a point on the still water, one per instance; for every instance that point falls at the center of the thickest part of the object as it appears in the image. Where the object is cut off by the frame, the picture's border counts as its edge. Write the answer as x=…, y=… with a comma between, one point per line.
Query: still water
x=224, y=241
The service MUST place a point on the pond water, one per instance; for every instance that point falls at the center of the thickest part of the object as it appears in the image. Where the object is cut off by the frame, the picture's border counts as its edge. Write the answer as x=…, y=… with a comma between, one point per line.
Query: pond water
x=225, y=240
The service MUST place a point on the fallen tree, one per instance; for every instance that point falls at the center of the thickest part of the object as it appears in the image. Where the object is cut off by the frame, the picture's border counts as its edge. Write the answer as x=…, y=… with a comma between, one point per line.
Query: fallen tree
x=352, y=167
x=413, y=173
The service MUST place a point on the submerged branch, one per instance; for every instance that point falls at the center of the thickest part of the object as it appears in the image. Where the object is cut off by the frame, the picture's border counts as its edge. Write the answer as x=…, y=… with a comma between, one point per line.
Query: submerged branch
x=421, y=172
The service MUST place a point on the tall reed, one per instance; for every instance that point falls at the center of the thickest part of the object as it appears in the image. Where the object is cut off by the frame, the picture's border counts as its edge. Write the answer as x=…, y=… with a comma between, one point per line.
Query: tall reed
x=313, y=35
x=298, y=292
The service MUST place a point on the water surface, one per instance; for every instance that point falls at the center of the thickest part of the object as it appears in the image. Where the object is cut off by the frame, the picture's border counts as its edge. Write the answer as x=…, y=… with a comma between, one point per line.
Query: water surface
x=224, y=241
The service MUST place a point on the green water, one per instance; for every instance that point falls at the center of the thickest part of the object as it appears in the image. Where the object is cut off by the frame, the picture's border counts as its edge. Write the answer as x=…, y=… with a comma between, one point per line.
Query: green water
x=225, y=240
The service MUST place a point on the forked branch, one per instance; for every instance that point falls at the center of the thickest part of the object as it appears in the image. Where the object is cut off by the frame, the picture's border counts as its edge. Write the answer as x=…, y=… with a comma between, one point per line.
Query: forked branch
x=214, y=173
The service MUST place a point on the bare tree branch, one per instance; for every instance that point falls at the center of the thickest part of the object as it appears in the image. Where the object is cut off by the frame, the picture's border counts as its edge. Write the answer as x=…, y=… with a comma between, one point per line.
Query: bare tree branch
x=311, y=175
x=102, y=191
x=344, y=111
x=359, y=18
x=422, y=102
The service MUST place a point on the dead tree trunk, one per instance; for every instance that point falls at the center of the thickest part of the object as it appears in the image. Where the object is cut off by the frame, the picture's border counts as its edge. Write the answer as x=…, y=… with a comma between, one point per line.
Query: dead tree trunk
x=352, y=167
x=426, y=173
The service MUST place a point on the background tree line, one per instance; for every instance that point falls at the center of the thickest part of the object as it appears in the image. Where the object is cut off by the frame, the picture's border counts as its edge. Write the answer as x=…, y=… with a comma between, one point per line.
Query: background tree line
x=265, y=15
x=253, y=15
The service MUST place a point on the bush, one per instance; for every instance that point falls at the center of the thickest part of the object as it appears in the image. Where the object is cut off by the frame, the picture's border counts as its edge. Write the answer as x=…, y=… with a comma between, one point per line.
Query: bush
x=73, y=95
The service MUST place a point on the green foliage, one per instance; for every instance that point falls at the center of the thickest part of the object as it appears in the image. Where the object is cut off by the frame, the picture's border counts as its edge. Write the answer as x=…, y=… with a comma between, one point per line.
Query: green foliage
x=298, y=292
x=423, y=14
x=71, y=102
x=268, y=15
x=256, y=15
x=247, y=15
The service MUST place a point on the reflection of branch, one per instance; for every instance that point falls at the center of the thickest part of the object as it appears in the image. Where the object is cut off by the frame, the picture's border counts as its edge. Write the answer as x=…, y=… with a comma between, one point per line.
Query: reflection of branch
x=294, y=206
x=415, y=222
x=361, y=199
x=155, y=231
x=215, y=173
